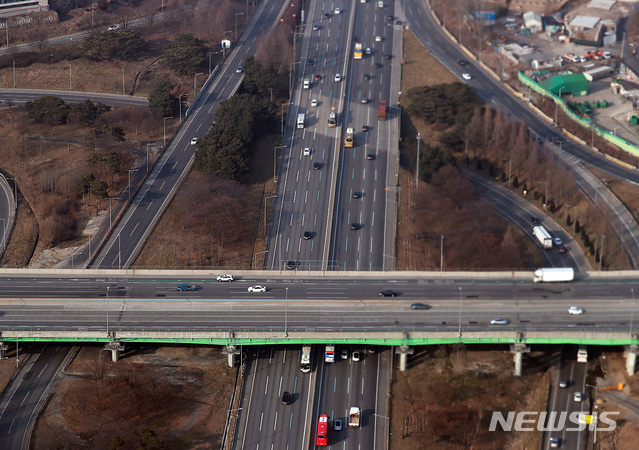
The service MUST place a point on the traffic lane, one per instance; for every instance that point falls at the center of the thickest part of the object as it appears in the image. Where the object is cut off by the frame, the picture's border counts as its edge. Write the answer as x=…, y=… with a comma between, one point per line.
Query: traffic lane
x=519, y=212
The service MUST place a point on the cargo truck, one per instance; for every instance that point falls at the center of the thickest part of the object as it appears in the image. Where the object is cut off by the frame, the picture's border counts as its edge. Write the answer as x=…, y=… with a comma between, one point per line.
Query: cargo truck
x=348, y=142
x=329, y=354
x=543, y=237
x=353, y=417
x=554, y=275
x=332, y=118
x=300, y=120
x=305, y=363
x=381, y=111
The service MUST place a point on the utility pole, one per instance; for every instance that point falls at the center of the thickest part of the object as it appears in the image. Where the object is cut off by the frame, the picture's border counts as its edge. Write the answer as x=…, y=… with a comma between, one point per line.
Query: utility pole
x=419, y=138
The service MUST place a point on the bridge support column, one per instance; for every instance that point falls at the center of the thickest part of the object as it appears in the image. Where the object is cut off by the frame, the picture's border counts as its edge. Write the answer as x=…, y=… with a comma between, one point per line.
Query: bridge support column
x=519, y=349
x=403, y=351
x=4, y=346
x=115, y=348
x=631, y=358
x=231, y=351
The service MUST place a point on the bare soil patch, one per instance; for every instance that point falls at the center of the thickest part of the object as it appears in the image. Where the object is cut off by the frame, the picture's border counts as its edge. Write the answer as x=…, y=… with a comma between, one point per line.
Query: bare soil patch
x=181, y=394
x=445, y=399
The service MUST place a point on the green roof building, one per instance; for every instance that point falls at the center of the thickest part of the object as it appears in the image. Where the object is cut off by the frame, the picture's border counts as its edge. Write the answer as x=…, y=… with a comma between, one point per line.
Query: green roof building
x=575, y=84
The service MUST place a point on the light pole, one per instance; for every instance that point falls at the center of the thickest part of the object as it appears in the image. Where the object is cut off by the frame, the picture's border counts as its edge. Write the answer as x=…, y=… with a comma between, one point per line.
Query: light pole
x=210, y=54
x=195, y=84
x=632, y=310
x=290, y=79
x=255, y=257
x=70, y=85
x=180, y=104
x=165, y=129
x=147, y=156
x=237, y=14
x=119, y=251
x=129, y=189
x=460, y=311
x=274, y=160
x=123, y=93
x=557, y=103
x=286, y=315
x=107, y=308
x=419, y=139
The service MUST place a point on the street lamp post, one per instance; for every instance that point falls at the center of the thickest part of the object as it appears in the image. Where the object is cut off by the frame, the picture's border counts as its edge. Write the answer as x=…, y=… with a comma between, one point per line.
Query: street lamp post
x=290, y=79
x=237, y=14
x=286, y=315
x=632, y=310
x=419, y=139
x=165, y=129
x=195, y=84
x=211, y=54
x=274, y=160
x=460, y=311
x=180, y=104
x=557, y=103
x=107, y=308
x=147, y=156
x=129, y=189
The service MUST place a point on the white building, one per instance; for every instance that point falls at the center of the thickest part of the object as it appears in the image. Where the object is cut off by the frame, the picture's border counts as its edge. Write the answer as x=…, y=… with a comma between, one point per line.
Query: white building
x=533, y=22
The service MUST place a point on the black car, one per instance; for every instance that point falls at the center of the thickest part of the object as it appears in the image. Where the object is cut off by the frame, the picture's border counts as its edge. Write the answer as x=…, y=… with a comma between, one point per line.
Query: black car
x=390, y=17
x=388, y=294
x=388, y=56
x=317, y=166
x=419, y=306
x=357, y=194
x=535, y=220
x=291, y=265
x=354, y=225
x=370, y=157
x=562, y=249
x=367, y=76
x=286, y=398
x=310, y=62
x=307, y=235
x=462, y=62
x=327, y=16
x=378, y=65
x=364, y=127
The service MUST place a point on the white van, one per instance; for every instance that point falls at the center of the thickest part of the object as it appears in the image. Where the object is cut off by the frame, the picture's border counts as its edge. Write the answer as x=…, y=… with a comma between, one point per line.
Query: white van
x=380, y=4
x=307, y=83
x=300, y=120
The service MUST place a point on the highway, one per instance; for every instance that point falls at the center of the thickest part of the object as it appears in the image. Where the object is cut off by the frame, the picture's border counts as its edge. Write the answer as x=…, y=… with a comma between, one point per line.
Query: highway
x=493, y=92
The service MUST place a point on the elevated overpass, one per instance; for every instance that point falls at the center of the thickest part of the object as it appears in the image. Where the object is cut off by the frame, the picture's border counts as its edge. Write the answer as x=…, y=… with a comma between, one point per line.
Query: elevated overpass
x=120, y=307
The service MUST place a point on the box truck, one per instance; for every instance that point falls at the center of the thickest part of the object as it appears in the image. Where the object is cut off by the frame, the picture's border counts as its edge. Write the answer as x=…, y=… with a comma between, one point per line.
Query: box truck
x=543, y=237
x=554, y=275
x=305, y=363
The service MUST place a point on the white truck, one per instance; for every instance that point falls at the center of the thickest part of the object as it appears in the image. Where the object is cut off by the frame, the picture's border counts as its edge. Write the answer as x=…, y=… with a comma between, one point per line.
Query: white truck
x=329, y=354
x=543, y=237
x=305, y=363
x=554, y=275
x=582, y=354
x=300, y=120
x=353, y=417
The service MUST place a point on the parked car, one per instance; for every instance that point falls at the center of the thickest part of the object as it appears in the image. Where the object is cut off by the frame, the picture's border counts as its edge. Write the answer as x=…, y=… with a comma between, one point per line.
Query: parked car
x=257, y=288
x=225, y=278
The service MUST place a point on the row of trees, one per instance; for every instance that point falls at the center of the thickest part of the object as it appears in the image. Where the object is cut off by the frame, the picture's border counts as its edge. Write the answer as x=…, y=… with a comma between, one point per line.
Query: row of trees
x=53, y=110
x=122, y=45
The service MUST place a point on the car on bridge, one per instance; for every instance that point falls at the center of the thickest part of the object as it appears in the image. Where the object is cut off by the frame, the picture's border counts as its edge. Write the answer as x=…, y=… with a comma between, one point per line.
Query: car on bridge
x=308, y=234
x=344, y=354
x=225, y=278
x=257, y=288
x=183, y=287
x=291, y=265
x=338, y=425
x=576, y=310
x=419, y=306
x=388, y=293
x=287, y=398
x=467, y=76
x=499, y=321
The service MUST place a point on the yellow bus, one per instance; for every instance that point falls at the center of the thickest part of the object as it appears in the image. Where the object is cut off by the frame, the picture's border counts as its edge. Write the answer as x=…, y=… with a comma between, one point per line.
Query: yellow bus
x=359, y=50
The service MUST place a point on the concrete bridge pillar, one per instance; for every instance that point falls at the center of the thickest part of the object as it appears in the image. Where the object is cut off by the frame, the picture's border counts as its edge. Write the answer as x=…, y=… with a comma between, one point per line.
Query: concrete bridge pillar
x=631, y=358
x=519, y=349
x=115, y=348
x=403, y=351
x=3, y=348
x=231, y=351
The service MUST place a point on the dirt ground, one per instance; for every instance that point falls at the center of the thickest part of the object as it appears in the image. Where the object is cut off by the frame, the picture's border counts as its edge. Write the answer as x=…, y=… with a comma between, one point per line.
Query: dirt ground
x=445, y=399
x=181, y=394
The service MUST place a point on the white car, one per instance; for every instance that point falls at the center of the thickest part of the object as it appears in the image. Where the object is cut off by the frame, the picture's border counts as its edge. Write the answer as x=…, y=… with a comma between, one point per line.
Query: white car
x=344, y=354
x=337, y=77
x=578, y=397
x=554, y=442
x=257, y=288
x=368, y=50
x=238, y=70
x=307, y=151
x=575, y=310
x=194, y=141
x=557, y=241
x=115, y=27
x=337, y=10
x=224, y=278
x=498, y=321
x=355, y=356
x=466, y=76
x=378, y=39
x=314, y=102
